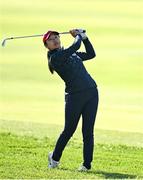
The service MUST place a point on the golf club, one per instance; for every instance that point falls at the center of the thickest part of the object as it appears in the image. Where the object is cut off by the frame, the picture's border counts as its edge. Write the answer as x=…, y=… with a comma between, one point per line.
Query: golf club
x=20, y=37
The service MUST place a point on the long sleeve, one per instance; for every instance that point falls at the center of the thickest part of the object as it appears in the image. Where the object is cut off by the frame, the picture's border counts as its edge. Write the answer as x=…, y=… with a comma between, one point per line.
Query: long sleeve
x=63, y=54
x=70, y=67
x=89, y=54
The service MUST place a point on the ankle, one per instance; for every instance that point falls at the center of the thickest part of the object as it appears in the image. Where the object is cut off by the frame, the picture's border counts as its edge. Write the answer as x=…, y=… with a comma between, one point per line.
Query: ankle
x=87, y=166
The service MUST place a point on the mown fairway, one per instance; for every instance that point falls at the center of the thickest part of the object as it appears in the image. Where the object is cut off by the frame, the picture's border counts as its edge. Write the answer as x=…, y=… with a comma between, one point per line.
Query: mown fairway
x=30, y=95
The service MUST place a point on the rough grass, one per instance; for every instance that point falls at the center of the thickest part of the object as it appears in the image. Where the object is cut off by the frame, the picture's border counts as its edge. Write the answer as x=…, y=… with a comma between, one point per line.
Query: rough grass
x=25, y=157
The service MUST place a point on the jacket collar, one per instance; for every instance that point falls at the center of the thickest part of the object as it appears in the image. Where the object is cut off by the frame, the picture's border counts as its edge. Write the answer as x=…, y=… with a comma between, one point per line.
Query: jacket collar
x=50, y=52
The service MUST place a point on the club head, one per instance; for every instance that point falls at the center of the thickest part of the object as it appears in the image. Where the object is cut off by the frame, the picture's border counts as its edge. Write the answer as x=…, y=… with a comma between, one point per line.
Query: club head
x=3, y=42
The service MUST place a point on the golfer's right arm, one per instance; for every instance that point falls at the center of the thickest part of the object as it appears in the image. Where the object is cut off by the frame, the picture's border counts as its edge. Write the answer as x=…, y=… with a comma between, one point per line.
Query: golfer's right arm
x=65, y=53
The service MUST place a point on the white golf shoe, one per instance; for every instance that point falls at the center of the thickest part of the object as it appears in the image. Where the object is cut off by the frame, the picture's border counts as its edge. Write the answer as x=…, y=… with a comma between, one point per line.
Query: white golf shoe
x=82, y=169
x=52, y=163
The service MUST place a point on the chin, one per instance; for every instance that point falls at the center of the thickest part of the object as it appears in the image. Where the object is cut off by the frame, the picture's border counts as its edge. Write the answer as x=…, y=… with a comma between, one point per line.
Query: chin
x=58, y=47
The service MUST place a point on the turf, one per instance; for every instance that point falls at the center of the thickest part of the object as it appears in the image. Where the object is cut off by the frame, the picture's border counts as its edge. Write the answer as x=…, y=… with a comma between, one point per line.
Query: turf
x=24, y=147
x=41, y=130
x=29, y=92
x=32, y=100
x=26, y=157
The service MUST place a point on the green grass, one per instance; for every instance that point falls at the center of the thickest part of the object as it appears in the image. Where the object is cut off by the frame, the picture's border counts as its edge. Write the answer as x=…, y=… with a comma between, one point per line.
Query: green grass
x=28, y=91
x=41, y=130
x=32, y=100
x=24, y=147
x=26, y=157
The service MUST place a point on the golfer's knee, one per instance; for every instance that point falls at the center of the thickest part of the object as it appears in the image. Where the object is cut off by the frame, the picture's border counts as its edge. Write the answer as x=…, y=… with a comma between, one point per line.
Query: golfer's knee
x=88, y=137
x=67, y=133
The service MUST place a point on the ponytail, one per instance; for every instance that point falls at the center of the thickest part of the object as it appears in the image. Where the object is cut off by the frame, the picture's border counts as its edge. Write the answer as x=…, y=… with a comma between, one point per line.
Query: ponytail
x=50, y=65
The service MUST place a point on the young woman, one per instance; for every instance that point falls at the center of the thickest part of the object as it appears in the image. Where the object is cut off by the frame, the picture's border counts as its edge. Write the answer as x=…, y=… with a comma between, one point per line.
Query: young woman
x=81, y=94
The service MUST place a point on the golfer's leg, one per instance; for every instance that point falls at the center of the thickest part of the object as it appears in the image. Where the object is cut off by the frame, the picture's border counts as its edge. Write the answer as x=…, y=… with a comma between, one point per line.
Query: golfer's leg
x=89, y=115
x=72, y=115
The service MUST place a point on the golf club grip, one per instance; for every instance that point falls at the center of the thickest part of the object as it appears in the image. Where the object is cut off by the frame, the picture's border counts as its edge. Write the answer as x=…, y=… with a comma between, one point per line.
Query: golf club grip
x=84, y=31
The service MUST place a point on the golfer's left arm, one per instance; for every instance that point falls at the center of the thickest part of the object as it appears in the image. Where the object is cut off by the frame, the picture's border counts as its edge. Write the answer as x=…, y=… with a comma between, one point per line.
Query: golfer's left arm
x=90, y=53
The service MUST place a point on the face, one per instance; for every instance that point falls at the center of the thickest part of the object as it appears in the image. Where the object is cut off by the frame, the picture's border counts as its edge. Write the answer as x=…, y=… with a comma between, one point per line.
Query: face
x=53, y=42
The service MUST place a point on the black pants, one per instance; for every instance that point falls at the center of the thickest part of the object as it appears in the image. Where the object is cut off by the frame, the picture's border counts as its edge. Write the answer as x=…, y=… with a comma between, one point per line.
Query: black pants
x=83, y=103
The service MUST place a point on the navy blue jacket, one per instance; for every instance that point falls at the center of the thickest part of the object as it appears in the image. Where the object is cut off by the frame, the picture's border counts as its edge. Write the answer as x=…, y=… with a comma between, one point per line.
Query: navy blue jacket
x=68, y=63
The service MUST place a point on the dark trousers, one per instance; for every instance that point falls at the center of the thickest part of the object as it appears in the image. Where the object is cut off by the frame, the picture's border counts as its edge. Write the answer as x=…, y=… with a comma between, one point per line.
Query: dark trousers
x=83, y=103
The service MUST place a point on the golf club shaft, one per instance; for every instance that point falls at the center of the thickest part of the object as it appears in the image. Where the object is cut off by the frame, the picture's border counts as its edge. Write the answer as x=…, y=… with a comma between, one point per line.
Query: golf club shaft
x=20, y=37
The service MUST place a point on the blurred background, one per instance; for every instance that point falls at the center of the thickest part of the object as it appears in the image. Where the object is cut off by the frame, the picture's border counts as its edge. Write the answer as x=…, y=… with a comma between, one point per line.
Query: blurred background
x=29, y=93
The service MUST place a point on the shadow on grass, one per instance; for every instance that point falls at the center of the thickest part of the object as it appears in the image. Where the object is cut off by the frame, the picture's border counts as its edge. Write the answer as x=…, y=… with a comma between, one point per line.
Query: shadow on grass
x=106, y=175
x=113, y=175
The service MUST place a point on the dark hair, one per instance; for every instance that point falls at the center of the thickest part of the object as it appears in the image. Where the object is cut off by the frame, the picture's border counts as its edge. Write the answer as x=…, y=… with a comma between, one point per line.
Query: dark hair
x=49, y=61
x=45, y=44
x=50, y=65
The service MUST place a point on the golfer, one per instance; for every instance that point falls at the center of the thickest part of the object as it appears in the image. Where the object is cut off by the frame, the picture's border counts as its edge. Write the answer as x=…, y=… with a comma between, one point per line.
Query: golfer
x=81, y=94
